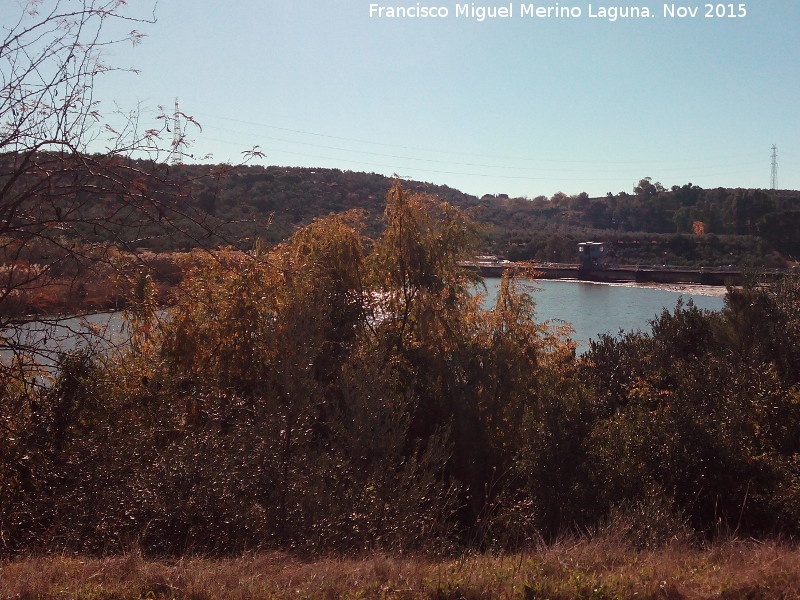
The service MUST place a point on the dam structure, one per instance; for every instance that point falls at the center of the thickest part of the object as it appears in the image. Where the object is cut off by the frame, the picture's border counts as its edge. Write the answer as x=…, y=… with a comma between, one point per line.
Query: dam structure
x=591, y=267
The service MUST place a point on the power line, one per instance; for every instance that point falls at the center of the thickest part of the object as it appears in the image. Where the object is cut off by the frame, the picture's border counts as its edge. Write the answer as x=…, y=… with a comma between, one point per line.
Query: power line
x=430, y=150
x=532, y=168
x=397, y=167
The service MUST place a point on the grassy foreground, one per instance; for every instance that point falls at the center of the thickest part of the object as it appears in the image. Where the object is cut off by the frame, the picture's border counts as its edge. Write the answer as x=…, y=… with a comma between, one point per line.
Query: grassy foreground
x=599, y=569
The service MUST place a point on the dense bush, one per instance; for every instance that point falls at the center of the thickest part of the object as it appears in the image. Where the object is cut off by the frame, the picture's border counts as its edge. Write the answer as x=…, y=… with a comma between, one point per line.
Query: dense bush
x=338, y=393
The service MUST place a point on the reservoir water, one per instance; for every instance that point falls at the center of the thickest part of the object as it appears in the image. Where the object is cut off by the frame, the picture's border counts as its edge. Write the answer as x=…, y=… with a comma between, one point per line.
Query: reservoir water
x=591, y=309
x=594, y=308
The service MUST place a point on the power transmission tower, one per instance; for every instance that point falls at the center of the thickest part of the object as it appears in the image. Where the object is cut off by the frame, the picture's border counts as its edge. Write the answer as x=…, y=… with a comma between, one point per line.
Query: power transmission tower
x=177, y=136
x=774, y=181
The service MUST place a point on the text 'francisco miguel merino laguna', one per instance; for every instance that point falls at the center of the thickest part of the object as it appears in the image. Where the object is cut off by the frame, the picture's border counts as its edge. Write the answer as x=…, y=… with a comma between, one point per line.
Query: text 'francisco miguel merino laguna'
x=507, y=11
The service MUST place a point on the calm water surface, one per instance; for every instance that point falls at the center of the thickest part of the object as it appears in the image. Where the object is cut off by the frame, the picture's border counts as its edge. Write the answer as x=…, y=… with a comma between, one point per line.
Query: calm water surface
x=591, y=309
x=594, y=308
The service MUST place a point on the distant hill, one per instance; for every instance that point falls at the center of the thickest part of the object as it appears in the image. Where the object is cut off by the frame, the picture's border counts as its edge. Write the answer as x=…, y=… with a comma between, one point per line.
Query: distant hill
x=289, y=197
x=681, y=225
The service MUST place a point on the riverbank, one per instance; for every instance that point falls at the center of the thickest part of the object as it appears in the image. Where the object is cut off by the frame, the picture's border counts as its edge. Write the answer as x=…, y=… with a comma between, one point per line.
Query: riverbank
x=600, y=569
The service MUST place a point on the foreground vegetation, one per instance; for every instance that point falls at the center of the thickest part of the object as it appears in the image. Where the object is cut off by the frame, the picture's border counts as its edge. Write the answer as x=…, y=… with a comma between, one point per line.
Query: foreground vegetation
x=337, y=394
x=592, y=569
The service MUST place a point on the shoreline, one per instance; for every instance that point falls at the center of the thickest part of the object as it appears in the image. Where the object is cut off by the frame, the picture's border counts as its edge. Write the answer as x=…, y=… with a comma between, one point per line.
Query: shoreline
x=721, y=277
x=697, y=289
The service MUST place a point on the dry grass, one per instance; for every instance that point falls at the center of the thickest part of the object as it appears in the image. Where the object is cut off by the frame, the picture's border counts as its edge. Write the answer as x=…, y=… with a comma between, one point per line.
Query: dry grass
x=572, y=569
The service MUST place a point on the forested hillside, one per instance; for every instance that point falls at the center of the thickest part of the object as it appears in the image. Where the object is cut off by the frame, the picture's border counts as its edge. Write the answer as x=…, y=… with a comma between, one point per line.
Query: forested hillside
x=682, y=225
x=251, y=202
x=227, y=205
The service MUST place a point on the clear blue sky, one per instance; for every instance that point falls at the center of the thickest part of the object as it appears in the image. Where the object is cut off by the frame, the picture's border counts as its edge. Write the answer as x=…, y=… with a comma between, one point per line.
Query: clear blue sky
x=522, y=106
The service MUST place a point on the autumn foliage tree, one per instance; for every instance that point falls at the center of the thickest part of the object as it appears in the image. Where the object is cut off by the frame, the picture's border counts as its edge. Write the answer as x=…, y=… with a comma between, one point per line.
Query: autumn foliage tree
x=330, y=393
